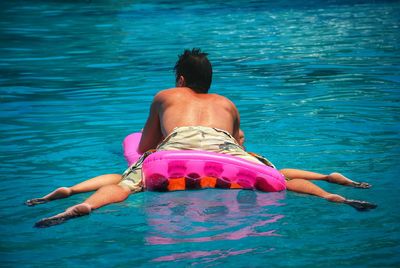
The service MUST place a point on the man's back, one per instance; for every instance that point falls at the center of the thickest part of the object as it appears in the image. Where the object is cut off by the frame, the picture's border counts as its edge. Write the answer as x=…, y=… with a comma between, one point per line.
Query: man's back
x=183, y=106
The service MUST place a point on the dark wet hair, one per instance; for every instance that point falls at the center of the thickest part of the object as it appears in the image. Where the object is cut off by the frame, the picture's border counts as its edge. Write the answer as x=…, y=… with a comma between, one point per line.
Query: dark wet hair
x=194, y=66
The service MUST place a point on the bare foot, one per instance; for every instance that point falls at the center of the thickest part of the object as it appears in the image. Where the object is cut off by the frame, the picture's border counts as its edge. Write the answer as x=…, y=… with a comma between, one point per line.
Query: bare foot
x=340, y=179
x=35, y=201
x=357, y=204
x=72, y=212
x=362, y=185
x=360, y=205
x=59, y=193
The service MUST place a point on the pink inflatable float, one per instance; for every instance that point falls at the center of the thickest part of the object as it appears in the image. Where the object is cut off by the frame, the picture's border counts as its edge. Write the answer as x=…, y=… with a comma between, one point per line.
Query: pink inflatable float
x=185, y=170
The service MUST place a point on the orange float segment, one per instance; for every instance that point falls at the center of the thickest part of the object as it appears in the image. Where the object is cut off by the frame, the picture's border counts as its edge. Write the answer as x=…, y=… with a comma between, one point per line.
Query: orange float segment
x=176, y=184
x=208, y=182
x=235, y=185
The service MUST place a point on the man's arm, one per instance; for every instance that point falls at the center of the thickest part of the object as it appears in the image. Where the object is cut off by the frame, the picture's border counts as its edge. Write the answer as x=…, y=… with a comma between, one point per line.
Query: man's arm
x=152, y=134
x=236, y=123
x=236, y=131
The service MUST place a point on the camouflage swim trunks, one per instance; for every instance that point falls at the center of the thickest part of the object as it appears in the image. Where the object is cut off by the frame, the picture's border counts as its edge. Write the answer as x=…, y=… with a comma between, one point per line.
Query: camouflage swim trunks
x=192, y=138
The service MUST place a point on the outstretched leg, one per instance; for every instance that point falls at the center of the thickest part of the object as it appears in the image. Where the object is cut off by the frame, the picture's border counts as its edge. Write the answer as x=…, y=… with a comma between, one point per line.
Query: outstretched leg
x=333, y=177
x=86, y=186
x=307, y=187
x=105, y=195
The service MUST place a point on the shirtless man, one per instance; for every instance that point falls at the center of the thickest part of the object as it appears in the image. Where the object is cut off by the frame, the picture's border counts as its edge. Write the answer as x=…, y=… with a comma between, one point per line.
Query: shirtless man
x=183, y=118
x=189, y=104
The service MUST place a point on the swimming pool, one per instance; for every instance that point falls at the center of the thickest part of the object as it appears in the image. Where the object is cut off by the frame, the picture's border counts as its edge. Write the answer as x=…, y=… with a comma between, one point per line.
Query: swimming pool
x=317, y=86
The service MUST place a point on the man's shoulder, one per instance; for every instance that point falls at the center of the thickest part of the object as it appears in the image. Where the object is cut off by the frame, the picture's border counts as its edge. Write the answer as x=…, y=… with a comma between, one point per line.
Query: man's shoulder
x=222, y=98
x=166, y=94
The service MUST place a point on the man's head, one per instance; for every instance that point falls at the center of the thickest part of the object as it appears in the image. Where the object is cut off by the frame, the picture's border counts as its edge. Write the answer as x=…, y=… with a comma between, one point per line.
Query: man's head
x=193, y=70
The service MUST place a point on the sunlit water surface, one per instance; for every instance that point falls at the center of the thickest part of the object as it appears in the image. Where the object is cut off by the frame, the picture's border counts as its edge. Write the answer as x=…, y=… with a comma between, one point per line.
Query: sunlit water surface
x=317, y=86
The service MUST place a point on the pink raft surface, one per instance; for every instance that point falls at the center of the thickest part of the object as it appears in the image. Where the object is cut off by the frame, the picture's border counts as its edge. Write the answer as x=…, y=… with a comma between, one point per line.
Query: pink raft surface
x=181, y=170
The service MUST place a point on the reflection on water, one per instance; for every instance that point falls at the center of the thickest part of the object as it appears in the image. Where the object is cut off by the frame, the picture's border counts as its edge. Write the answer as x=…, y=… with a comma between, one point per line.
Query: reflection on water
x=202, y=216
x=212, y=255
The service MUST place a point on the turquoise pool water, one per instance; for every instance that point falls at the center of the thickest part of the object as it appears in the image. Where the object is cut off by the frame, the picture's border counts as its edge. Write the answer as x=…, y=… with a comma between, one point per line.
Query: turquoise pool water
x=317, y=86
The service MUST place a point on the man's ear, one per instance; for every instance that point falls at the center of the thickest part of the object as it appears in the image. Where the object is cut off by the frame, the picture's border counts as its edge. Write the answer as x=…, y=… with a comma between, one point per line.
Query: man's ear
x=181, y=81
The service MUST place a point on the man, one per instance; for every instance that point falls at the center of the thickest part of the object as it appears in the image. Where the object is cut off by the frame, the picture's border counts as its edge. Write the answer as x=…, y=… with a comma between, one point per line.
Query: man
x=186, y=117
